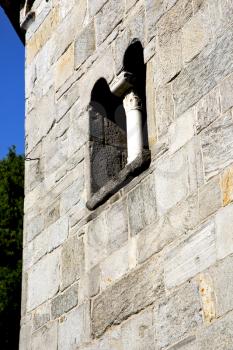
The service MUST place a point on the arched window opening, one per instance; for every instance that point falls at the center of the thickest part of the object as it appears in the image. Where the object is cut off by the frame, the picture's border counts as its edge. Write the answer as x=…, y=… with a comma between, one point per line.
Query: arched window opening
x=118, y=128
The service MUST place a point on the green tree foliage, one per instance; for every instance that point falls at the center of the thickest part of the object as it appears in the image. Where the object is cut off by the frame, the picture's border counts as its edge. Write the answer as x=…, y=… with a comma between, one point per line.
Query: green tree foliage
x=11, y=228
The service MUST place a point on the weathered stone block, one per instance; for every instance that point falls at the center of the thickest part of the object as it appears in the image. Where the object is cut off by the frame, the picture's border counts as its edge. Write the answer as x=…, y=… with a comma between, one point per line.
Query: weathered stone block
x=222, y=275
x=43, y=280
x=94, y=281
x=68, y=28
x=177, y=316
x=180, y=12
x=96, y=242
x=138, y=332
x=64, y=67
x=204, y=72
x=45, y=338
x=164, y=108
x=171, y=180
x=226, y=91
x=179, y=220
x=74, y=328
x=74, y=194
x=227, y=186
x=65, y=301
x=33, y=226
x=216, y=153
x=224, y=232
x=154, y=11
x=49, y=239
x=112, y=12
x=84, y=44
x=168, y=59
x=41, y=316
x=142, y=286
x=218, y=335
x=78, y=133
x=117, y=226
x=181, y=130
x=142, y=207
x=66, y=101
x=72, y=261
x=210, y=198
x=95, y=6
x=193, y=255
x=43, y=34
x=196, y=34
x=114, y=267
x=208, y=109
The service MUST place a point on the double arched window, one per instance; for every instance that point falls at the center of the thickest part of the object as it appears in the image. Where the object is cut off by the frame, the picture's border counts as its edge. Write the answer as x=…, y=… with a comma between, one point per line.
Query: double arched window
x=118, y=128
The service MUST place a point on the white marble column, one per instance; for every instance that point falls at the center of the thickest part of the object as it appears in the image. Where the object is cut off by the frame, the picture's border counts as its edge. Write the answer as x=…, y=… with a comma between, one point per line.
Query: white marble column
x=133, y=110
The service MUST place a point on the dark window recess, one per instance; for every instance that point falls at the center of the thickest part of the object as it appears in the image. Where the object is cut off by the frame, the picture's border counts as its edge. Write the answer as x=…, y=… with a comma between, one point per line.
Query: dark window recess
x=107, y=135
x=109, y=170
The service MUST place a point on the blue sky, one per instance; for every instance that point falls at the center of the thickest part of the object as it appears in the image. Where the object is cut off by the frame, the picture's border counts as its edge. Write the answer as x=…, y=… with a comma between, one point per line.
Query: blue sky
x=11, y=88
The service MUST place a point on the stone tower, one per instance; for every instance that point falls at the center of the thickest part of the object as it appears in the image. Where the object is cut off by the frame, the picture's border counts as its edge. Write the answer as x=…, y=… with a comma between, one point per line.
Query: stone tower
x=128, y=238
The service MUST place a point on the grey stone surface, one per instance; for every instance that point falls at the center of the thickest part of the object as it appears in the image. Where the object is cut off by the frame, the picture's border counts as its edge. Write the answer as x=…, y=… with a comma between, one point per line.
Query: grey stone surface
x=72, y=261
x=171, y=180
x=95, y=6
x=112, y=12
x=223, y=288
x=142, y=209
x=182, y=130
x=210, y=198
x=179, y=220
x=96, y=242
x=84, y=44
x=203, y=73
x=154, y=11
x=164, y=107
x=65, y=301
x=216, y=154
x=74, y=194
x=138, y=332
x=218, y=336
x=226, y=91
x=224, y=234
x=208, y=109
x=94, y=281
x=43, y=280
x=143, y=286
x=45, y=338
x=41, y=316
x=74, y=328
x=33, y=226
x=193, y=255
x=114, y=267
x=177, y=316
x=117, y=226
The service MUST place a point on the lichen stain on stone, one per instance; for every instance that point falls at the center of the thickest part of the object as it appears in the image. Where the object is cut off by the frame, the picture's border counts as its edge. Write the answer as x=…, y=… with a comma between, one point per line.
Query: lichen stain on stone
x=227, y=186
x=207, y=297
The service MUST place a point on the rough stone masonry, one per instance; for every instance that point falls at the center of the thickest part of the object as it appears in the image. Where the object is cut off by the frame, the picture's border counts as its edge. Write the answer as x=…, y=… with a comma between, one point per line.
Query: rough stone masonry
x=151, y=268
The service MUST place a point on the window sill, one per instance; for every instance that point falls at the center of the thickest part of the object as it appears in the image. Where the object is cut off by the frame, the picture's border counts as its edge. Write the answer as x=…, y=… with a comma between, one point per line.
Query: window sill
x=127, y=174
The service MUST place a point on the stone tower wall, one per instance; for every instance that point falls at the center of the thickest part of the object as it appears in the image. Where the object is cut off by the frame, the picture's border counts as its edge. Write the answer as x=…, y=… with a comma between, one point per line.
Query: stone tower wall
x=151, y=268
